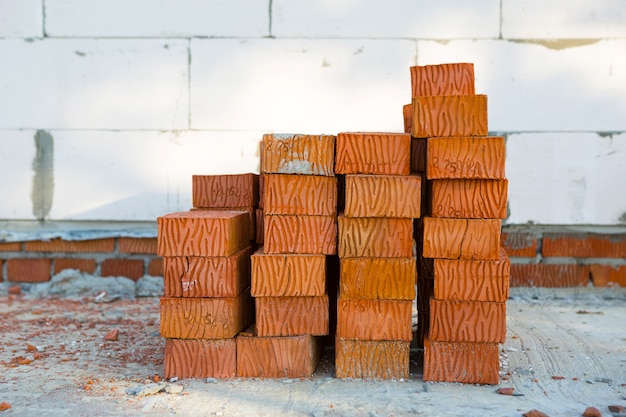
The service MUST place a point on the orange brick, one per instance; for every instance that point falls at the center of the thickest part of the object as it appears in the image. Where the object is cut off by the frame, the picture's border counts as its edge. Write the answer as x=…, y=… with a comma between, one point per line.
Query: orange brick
x=467, y=363
x=442, y=80
x=298, y=154
x=10, y=246
x=375, y=237
x=250, y=211
x=194, y=358
x=137, y=245
x=467, y=321
x=225, y=191
x=584, y=245
x=277, y=357
x=441, y=116
x=466, y=158
x=300, y=234
x=607, y=275
x=383, y=196
x=204, y=318
x=300, y=194
x=28, y=269
x=466, y=280
x=292, y=316
x=87, y=266
x=259, y=226
x=214, y=276
x=130, y=268
x=377, y=278
x=155, y=267
x=477, y=239
x=372, y=359
x=373, y=153
x=60, y=245
x=469, y=199
x=418, y=154
x=522, y=245
x=407, y=113
x=549, y=275
x=374, y=319
x=203, y=233
x=288, y=275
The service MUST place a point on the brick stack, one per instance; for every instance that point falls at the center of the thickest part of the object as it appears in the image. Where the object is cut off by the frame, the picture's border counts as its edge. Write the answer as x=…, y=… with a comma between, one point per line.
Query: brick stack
x=206, y=270
x=377, y=264
x=289, y=273
x=465, y=271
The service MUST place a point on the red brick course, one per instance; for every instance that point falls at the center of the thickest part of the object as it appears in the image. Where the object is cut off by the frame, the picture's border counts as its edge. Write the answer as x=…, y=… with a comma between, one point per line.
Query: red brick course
x=11, y=247
x=607, y=275
x=28, y=269
x=549, y=275
x=155, y=267
x=130, y=268
x=146, y=245
x=59, y=245
x=584, y=245
x=522, y=245
x=87, y=266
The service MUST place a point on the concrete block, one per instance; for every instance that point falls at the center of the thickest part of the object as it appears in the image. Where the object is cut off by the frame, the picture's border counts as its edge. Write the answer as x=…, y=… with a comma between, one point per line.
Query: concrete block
x=100, y=84
x=562, y=19
x=387, y=19
x=165, y=18
x=575, y=175
x=17, y=152
x=21, y=19
x=529, y=82
x=300, y=85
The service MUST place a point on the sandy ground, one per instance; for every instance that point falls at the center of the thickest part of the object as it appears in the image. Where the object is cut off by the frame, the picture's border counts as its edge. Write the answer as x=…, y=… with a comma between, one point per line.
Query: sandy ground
x=565, y=351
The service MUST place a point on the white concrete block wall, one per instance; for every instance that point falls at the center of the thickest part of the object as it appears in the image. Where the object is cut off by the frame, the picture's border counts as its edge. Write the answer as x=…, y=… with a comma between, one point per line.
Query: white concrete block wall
x=130, y=98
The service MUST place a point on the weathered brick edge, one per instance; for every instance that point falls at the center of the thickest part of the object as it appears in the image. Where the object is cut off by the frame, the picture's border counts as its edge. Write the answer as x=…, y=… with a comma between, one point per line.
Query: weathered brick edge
x=552, y=257
x=38, y=261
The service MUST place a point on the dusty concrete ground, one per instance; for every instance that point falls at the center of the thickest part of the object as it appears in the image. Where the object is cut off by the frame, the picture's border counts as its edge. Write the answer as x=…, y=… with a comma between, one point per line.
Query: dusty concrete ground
x=565, y=351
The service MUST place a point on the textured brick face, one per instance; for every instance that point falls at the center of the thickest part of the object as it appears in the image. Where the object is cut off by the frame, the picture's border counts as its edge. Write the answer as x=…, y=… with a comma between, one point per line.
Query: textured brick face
x=373, y=153
x=194, y=358
x=450, y=116
x=584, y=246
x=469, y=199
x=28, y=270
x=461, y=239
x=383, y=196
x=300, y=194
x=137, y=245
x=466, y=157
x=225, y=191
x=292, y=316
x=519, y=244
x=288, y=275
x=59, y=245
x=377, y=278
x=442, y=80
x=549, y=275
x=374, y=320
x=11, y=247
x=298, y=154
x=607, y=275
x=300, y=234
x=375, y=237
x=467, y=321
x=384, y=359
x=131, y=268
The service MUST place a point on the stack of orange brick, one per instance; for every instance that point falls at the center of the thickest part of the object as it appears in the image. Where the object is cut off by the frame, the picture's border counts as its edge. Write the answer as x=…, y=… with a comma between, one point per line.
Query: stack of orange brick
x=206, y=270
x=289, y=273
x=467, y=191
x=377, y=262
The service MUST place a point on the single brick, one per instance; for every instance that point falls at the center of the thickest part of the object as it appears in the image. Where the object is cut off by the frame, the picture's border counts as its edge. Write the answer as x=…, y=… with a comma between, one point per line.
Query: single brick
x=374, y=319
x=155, y=267
x=28, y=269
x=259, y=226
x=466, y=280
x=469, y=199
x=298, y=154
x=607, y=275
x=206, y=276
x=292, y=316
x=375, y=237
x=197, y=358
x=467, y=321
x=130, y=268
x=418, y=154
x=137, y=245
x=277, y=357
x=383, y=196
x=300, y=234
x=549, y=275
x=372, y=359
x=521, y=245
x=467, y=363
x=204, y=318
x=442, y=80
x=287, y=275
x=407, y=114
x=443, y=116
x=250, y=211
x=60, y=245
x=377, y=278
x=373, y=153
x=87, y=266
x=300, y=194
x=584, y=245
x=225, y=191
x=466, y=158
x=477, y=239
x=10, y=246
x=203, y=233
